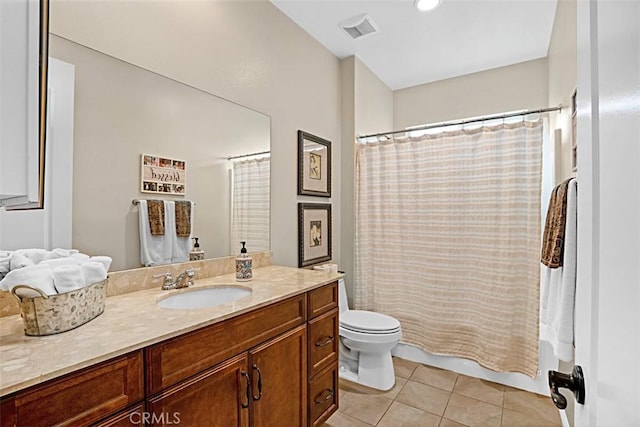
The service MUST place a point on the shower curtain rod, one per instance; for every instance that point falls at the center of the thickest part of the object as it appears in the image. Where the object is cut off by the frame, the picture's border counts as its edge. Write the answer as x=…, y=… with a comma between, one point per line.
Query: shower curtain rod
x=466, y=121
x=248, y=155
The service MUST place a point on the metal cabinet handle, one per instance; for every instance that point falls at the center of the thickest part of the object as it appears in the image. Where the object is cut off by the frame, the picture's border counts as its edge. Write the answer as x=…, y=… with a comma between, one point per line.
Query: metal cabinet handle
x=328, y=341
x=246, y=376
x=320, y=400
x=256, y=398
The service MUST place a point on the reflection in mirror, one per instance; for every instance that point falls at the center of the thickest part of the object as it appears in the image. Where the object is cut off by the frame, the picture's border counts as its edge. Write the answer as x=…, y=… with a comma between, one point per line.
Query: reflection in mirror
x=123, y=111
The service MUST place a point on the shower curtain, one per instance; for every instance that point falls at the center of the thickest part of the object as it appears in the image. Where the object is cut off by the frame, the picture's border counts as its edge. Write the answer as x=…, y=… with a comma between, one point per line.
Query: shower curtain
x=250, y=204
x=448, y=241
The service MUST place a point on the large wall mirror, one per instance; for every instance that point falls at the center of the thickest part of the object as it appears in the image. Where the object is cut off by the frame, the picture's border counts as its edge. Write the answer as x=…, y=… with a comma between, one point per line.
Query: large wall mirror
x=123, y=111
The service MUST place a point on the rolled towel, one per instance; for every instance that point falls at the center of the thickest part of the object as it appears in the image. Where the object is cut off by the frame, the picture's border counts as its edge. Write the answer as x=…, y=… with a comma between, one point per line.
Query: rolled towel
x=5, y=263
x=36, y=276
x=93, y=272
x=104, y=260
x=35, y=255
x=19, y=261
x=61, y=253
x=67, y=278
x=75, y=259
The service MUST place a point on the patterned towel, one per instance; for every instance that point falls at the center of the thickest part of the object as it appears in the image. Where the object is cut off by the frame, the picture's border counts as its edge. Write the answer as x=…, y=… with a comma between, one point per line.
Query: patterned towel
x=183, y=218
x=156, y=217
x=553, y=237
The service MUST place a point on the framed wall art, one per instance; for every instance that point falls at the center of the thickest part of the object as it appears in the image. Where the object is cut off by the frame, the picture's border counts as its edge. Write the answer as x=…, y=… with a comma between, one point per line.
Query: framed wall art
x=314, y=165
x=314, y=233
x=162, y=175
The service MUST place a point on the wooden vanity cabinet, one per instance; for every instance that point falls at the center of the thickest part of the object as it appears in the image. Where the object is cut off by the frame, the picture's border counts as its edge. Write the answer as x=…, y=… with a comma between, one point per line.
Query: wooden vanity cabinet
x=273, y=366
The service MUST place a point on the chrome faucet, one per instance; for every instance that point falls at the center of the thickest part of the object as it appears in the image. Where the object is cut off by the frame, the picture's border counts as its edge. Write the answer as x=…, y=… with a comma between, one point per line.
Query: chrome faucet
x=184, y=279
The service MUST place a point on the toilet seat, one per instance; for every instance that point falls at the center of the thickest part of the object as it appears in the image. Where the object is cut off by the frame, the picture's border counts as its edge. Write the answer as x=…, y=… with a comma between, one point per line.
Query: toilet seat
x=369, y=322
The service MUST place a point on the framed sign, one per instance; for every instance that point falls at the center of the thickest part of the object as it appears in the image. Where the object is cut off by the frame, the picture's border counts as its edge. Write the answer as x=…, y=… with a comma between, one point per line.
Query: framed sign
x=162, y=175
x=314, y=233
x=314, y=165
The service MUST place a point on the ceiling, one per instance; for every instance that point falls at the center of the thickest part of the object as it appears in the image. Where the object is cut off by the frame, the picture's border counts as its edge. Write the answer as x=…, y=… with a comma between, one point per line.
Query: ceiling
x=411, y=47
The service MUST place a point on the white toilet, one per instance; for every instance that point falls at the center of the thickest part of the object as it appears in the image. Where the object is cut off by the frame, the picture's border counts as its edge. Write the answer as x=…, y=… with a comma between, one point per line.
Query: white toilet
x=366, y=340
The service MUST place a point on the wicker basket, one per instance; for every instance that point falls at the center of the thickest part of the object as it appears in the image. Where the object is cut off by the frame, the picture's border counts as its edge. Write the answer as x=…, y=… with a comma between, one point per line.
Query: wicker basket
x=51, y=314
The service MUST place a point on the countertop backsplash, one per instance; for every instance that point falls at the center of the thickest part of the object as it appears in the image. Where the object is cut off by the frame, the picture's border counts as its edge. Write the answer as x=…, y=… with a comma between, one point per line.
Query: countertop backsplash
x=138, y=279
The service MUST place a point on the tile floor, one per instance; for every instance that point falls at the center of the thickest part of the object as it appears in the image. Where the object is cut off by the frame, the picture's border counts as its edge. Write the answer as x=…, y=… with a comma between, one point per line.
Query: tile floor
x=429, y=397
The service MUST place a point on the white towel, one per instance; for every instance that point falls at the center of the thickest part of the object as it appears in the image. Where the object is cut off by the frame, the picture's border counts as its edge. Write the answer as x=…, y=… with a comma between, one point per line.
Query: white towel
x=68, y=278
x=104, y=260
x=36, y=276
x=35, y=255
x=93, y=272
x=558, y=287
x=61, y=253
x=180, y=246
x=75, y=259
x=19, y=261
x=5, y=263
x=155, y=250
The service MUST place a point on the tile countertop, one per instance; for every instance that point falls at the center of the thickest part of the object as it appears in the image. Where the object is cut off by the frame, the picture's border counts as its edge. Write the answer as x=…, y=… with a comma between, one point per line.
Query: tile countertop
x=133, y=321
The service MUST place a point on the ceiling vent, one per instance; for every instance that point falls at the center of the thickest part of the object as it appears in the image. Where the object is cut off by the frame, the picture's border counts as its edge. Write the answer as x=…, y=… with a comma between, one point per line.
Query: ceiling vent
x=359, y=26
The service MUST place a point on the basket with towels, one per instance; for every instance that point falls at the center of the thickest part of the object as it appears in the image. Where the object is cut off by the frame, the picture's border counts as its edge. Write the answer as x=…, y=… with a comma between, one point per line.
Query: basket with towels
x=57, y=290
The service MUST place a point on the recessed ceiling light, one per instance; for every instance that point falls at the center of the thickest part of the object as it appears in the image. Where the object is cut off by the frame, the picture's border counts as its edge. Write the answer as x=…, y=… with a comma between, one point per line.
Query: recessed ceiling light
x=425, y=5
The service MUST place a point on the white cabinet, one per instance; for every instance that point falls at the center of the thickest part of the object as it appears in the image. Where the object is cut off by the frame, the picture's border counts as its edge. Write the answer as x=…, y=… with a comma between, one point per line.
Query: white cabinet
x=21, y=157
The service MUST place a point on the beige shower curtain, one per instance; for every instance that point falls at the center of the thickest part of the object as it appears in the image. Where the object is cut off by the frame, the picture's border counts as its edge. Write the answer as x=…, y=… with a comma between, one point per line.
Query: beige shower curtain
x=448, y=241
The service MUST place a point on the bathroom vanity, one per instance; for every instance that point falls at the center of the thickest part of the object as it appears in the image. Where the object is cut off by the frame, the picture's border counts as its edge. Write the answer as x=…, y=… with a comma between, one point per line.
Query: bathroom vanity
x=266, y=360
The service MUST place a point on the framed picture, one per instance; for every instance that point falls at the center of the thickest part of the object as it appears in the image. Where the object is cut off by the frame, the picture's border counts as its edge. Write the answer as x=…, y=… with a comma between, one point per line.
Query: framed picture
x=162, y=175
x=314, y=233
x=314, y=165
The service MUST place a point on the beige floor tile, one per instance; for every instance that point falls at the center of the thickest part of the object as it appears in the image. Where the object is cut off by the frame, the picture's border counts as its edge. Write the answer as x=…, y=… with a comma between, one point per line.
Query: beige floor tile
x=472, y=412
x=403, y=368
x=536, y=406
x=516, y=419
x=360, y=389
x=364, y=407
x=338, y=419
x=424, y=397
x=448, y=423
x=480, y=389
x=406, y=416
x=434, y=377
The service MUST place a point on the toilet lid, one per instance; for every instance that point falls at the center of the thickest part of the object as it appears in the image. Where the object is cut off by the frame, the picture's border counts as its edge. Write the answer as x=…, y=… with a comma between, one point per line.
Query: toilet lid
x=368, y=321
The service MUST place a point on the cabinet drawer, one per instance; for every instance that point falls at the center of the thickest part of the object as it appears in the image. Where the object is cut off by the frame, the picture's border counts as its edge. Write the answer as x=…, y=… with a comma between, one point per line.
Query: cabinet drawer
x=181, y=357
x=131, y=417
x=84, y=397
x=322, y=342
x=323, y=299
x=323, y=396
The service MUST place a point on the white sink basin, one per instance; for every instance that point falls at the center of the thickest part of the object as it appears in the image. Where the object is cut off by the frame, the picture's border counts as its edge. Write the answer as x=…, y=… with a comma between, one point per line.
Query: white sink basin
x=205, y=297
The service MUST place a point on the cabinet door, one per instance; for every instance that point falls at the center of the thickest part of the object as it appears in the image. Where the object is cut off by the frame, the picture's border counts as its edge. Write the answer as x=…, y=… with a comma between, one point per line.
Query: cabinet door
x=279, y=380
x=216, y=397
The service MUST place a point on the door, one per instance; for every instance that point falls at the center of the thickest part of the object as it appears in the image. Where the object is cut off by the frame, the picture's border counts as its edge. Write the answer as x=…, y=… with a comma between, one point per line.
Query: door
x=217, y=397
x=608, y=283
x=279, y=380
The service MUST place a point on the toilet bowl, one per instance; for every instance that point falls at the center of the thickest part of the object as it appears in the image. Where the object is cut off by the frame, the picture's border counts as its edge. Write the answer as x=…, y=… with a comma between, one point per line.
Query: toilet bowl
x=366, y=340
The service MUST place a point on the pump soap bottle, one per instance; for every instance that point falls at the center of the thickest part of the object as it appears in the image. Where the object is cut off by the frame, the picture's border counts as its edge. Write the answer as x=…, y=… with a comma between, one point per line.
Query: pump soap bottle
x=243, y=265
x=196, y=253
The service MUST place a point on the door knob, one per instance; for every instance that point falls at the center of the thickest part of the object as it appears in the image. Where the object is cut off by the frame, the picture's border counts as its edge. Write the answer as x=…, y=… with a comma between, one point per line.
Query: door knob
x=574, y=382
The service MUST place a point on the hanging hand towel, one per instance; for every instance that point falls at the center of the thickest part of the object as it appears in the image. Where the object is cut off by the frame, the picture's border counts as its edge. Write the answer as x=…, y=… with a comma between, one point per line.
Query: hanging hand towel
x=558, y=287
x=183, y=218
x=156, y=217
x=553, y=239
x=154, y=250
x=180, y=246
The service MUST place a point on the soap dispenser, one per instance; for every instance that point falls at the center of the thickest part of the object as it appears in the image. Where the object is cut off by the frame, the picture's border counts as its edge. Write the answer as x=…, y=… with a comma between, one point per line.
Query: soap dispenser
x=243, y=265
x=196, y=253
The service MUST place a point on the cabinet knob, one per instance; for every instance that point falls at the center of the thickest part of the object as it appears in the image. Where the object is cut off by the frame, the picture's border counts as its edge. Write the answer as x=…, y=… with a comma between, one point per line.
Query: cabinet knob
x=326, y=342
x=328, y=394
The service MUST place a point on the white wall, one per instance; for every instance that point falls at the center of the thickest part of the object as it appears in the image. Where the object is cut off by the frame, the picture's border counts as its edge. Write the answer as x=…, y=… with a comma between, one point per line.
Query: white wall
x=562, y=59
x=515, y=87
x=367, y=107
x=247, y=52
